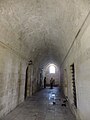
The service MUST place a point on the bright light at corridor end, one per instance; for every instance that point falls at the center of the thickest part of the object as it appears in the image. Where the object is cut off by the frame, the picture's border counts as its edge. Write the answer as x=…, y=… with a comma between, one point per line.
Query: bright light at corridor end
x=52, y=69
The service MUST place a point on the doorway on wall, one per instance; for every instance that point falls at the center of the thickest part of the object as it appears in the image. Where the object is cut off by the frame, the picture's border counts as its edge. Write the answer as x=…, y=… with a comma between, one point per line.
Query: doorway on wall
x=51, y=70
x=26, y=80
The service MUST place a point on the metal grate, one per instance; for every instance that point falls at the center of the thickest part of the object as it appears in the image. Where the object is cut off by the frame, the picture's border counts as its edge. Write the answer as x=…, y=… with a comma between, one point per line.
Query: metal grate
x=73, y=84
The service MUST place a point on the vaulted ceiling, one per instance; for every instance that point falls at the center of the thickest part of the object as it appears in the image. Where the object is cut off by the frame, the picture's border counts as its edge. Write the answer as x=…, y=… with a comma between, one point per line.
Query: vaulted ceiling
x=41, y=30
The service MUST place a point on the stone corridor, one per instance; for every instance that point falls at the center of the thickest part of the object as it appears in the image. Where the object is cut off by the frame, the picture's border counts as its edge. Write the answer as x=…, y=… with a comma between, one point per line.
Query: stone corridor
x=40, y=107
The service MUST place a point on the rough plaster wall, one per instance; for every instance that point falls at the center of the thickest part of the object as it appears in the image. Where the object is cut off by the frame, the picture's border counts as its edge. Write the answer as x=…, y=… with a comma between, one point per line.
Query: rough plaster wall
x=12, y=79
x=80, y=56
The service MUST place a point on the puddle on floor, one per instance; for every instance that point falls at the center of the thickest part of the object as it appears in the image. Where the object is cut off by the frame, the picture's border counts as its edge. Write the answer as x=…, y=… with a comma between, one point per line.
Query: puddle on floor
x=52, y=97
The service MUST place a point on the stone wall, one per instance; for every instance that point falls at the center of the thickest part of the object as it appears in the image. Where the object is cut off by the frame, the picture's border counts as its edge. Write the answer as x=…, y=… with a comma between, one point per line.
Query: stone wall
x=12, y=79
x=79, y=54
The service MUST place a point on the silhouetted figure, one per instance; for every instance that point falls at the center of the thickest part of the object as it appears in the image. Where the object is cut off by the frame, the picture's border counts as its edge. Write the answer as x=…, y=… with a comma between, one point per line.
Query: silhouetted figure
x=44, y=82
x=51, y=83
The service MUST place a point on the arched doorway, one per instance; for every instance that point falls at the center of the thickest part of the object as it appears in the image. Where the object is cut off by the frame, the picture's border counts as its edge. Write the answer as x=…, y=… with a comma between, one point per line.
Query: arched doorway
x=51, y=71
x=28, y=80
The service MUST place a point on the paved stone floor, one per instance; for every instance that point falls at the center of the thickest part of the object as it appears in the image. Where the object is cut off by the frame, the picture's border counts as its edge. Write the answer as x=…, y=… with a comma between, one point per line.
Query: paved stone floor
x=41, y=107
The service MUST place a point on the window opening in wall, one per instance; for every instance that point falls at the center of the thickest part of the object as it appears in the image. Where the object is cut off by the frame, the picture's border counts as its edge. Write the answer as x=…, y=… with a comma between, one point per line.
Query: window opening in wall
x=52, y=69
x=73, y=84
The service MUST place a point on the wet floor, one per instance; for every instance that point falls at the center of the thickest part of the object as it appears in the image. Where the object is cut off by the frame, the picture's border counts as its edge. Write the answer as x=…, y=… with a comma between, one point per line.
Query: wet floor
x=44, y=105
